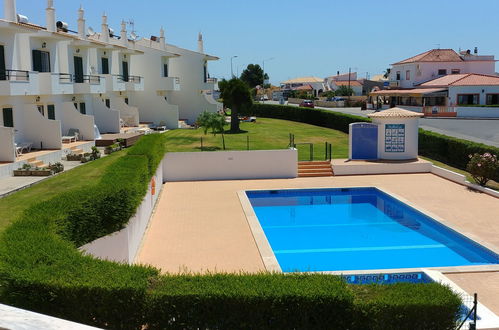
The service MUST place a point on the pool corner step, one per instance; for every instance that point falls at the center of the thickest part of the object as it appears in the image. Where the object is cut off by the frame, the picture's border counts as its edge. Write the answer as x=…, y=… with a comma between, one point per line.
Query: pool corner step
x=315, y=169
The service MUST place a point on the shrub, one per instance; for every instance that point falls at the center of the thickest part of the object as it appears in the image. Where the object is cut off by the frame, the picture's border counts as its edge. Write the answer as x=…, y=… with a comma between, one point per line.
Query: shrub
x=450, y=150
x=483, y=167
x=56, y=167
x=41, y=270
x=211, y=120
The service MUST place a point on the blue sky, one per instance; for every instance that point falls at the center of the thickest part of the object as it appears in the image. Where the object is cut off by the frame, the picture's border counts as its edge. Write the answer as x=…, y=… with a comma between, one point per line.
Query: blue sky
x=304, y=38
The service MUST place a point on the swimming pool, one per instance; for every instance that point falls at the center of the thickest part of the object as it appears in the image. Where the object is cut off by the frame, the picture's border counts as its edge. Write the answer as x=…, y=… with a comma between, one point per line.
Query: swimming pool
x=357, y=229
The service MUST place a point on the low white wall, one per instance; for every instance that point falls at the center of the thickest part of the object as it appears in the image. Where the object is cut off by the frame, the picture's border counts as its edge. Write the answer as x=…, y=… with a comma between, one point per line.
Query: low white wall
x=129, y=114
x=123, y=245
x=108, y=120
x=346, y=167
x=72, y=118
x=461, y=179
x=38, y=129
x=230, y=165
x=480, y=112
x=7, y=150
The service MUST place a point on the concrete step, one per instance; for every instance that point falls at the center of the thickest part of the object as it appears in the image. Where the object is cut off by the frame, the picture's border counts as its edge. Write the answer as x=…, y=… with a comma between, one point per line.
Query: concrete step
x=314, y=170
x=317, y=162
x=316, y=174
x=77, y=151
x=38, y=163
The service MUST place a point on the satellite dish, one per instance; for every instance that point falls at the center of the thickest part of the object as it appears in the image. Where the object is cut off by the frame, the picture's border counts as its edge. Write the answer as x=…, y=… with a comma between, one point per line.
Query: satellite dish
x=111, y=32
x=133, y=36
x=22, y=19
x=90, y=31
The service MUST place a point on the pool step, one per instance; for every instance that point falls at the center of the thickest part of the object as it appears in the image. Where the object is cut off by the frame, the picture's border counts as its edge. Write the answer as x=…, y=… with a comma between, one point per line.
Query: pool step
x=314, y=169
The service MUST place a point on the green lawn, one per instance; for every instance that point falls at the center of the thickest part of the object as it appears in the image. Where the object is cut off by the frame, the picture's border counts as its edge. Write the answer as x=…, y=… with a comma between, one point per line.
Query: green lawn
x=13, y=205
x=264, y=134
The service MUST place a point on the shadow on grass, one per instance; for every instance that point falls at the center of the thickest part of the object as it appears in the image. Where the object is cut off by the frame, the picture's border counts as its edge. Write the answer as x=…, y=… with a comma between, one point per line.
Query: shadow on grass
x=209, y=148
x=241, y=131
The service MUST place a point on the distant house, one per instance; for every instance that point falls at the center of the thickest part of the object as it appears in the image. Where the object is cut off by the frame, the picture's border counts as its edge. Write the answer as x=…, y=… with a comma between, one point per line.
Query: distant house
x=329, y=81
x=436, y=63
x=355, y=85
x=313, y=84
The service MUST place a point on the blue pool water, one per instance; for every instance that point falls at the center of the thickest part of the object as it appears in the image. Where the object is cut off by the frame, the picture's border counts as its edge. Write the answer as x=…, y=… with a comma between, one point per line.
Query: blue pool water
x=357, y=229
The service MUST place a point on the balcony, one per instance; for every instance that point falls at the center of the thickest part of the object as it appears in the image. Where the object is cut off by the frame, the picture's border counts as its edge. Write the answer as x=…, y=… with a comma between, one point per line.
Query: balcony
x=55, y=83
x=17, y=82
x=211, y=83
x=114, y=83
x=169, y=84
x=135, y=83
x=394, y=83
x=91, y=85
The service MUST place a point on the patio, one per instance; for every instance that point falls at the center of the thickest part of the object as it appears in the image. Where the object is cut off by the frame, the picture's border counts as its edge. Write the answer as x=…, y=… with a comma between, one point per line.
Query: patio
x=189, y=232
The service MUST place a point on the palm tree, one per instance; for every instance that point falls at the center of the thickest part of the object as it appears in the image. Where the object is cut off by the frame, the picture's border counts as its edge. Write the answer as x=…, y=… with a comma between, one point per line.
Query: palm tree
x=236, y=95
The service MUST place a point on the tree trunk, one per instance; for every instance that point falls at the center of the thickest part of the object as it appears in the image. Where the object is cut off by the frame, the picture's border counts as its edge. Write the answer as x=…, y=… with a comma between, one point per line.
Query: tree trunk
x=234, y=120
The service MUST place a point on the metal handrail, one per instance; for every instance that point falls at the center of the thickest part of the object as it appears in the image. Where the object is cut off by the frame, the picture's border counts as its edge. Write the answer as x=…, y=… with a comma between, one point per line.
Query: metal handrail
x=65, y=77
x=119, y=77
x=91, y=79
x=135, y=79
x=15, y=75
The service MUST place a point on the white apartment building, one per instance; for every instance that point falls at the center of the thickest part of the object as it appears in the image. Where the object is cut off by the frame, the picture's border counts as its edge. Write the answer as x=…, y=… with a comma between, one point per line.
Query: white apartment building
x=436, y=63
x=54, y=80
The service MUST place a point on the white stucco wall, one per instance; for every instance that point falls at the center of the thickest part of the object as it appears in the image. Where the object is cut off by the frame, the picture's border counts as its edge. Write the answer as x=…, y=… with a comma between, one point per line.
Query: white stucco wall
x=477, y=112
x=72, y=118
x=123, y=245
x=481, y=90
x=35, y=128
x=411, y=138
x=230, y=165
x=7, y=151
x=107, y=120
x=129, y=114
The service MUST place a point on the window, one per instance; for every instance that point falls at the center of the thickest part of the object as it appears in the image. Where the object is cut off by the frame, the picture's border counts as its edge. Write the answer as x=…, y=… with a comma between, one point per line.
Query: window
x=78, y=69
x=165, y=70
x=124, y=66
x=41, y=109
x=455, y=71
x=408, y=75
x=51, y=111
x=126, y=100
x=108, y=103
x=492, y=99
x=3, y=73
x=76, y=105
x=41, y=61
x=8, y=118
x=398, y=75
x=83, y=109
x=442, y=72
x=105, y=65
x=205, y=73
x=468, y=99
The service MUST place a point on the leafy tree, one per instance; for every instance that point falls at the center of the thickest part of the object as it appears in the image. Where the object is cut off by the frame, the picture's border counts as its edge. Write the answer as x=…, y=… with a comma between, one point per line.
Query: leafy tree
x=253, y=75
x=236, y=95
x=211, y=120
x=344, y=91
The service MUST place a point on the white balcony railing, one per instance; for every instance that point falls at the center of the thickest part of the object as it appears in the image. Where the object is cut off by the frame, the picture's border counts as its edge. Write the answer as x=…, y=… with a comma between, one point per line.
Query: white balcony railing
x=135, y=83
x=18, y=82
x=55, y=83
x=169, y=84
x=91, y=85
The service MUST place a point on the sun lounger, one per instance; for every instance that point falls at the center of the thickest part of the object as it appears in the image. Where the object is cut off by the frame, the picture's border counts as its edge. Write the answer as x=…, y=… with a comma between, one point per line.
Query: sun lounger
x=73, y=135
x=22, y=147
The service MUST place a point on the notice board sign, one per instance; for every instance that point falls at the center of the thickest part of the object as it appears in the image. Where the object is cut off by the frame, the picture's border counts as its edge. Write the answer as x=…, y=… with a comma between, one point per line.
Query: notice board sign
x=394, y=137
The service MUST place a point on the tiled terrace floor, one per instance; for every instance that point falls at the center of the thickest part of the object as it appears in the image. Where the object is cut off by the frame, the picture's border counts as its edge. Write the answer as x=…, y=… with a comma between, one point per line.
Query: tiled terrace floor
x=200, y=226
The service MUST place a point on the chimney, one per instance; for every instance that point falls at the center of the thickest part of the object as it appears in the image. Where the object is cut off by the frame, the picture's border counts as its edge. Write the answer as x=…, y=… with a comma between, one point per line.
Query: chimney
x=200, y=43
x=104, y=29
x=123, y=36
x=81, y=24
x=475, y=51
x=162, y=40
x=50, y=16
x=9, y=10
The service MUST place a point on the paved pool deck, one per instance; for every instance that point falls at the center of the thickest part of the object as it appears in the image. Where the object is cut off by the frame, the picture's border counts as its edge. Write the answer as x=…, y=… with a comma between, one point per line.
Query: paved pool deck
x=200, y=226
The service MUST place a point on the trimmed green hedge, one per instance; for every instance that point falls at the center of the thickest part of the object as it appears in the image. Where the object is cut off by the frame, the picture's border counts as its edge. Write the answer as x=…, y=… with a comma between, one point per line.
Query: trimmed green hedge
x=42, y=270
x=447, y=149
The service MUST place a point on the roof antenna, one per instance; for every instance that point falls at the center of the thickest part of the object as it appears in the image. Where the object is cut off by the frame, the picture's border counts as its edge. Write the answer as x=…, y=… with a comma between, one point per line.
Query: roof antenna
x=438, y=46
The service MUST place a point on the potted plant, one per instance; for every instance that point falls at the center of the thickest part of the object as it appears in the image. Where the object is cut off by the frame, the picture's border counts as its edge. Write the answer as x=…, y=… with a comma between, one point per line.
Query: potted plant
x=73, y=157
x=37, y=171
x=56, y=167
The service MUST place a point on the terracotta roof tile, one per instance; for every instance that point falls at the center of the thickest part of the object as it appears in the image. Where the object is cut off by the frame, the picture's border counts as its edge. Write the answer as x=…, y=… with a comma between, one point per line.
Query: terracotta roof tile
x=467, y=79
x=434, y=55
x=395, y=113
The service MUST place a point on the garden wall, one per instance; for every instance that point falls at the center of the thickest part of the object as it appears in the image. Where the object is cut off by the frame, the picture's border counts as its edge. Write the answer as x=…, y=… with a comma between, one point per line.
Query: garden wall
x=482, y=112
x=229, y=165
x=122, y=246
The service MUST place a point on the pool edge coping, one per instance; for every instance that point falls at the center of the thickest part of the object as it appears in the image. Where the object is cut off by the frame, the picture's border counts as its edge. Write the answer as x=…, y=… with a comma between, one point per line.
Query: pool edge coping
x=271, y=264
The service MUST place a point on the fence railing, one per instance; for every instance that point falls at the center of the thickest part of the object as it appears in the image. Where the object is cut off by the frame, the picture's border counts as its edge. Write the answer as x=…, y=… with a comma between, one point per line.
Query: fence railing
x=135, y=79
x=471, y=316
x=436, y=109
x=93, y=80
x=65, y=77
x=15, y=75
